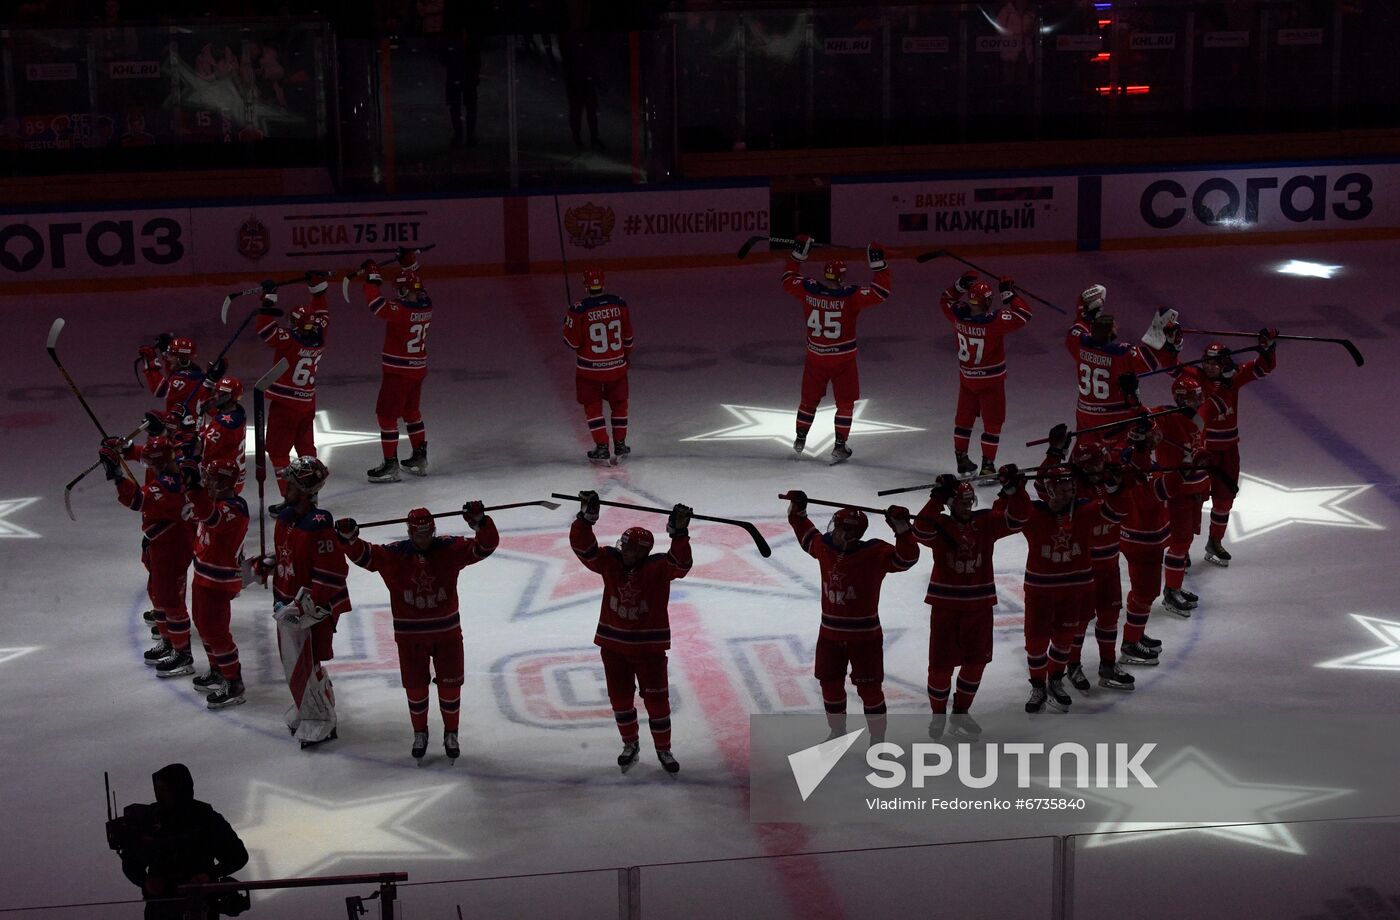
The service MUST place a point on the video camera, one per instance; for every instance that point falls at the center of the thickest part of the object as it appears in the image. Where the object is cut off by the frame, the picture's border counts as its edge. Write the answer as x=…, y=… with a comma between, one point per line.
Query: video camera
x=128, y=829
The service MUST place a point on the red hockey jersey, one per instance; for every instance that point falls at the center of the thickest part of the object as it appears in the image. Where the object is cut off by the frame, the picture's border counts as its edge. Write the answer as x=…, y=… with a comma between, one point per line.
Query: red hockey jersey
x=599, y=330
x=224, y=436
x=634, y=616
x=218, y=541
x=962, y=578
x=1097, y=369
x=1223, y=396
x=1059, y=544
x=309, y=556
x=851, y=579
x=981, y=352
x=162, y=503
x=297, y=385
x=405, y=350
x=423, y=583
x=832, y=312
x=179, y=388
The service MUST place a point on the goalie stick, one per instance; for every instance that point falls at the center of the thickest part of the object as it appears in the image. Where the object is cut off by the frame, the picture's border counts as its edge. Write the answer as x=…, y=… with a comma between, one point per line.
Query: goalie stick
x=552, y=506
x=763, y=549
x=1345, y=343
x=52, y=347
x=359, y=272
x=930, y=256
x=260, y=445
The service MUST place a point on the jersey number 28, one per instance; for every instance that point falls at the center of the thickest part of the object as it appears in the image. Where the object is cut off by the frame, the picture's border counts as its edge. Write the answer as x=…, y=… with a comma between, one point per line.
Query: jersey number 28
x=1093, y=381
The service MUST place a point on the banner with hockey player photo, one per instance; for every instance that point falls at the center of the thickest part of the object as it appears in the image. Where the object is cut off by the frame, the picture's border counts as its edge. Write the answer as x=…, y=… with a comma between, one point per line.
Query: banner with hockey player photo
x=940, y=213
x=1218, y=202
x=664, y=224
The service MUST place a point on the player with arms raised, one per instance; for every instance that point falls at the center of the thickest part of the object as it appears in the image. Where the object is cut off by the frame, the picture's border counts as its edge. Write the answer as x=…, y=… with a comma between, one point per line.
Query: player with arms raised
x=598, y=329
x=170, y=371
x=405, y=364
x=981, y=318
x=291, y=414
x=222, y=515
x=832, y=307
x=1105, y=368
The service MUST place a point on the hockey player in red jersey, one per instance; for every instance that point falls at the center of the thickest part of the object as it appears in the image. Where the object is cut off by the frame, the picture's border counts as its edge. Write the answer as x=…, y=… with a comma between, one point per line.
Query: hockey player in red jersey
x=222, y=515
x=309, y=595
x=405, y=364
x=852, y=571
x=1103, y=365
x=223, y=435
x=291, y=412
x=981, y=318
x=166, y=546
x=1223, y=382
x=421, y=575
x=170, y=371
x=961, y=593
x=1183, y=444
x=634, y=626
x=598, y=329
x=831, y=307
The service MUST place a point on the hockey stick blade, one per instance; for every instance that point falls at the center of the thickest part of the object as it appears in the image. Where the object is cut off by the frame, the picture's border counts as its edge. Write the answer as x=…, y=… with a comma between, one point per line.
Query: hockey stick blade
x=764, y=549
x=277, y=370
x=552, y=506
x=929, y=256
x=749, y=244
x=223, y=311
x=345, y=287
x=54, y=331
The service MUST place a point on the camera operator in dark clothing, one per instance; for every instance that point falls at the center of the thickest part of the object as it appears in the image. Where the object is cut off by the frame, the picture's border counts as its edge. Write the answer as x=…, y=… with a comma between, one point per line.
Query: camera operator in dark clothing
x=176, y=841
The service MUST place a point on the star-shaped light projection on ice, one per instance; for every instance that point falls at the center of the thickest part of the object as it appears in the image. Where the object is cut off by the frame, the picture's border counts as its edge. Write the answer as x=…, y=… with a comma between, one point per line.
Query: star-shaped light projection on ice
x=291, y=833
x=780, y=425
x=1384, y=658
x=328, y=438
x=1263, y=506
x=9, y=529
x=10, y=654
x=1191, y=776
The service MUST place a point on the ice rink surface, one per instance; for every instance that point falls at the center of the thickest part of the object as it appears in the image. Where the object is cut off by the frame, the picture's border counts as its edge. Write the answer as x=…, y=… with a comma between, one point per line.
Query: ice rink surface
x=1304, y=621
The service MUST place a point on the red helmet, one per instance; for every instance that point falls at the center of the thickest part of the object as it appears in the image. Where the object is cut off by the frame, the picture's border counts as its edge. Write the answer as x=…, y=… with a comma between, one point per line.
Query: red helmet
x=420, y=521
x=636, y=537
x=834, y=271
x=850, y=522
x=227, y=391
x=220, y=475
x=1144, y=433
x=409, y=285
x=181, y=349
x=1057, y=482
x=979, y=295
x=963, y=492
x=593, y=280
x=1089, y=457
x=306, y=319
x=158, y=451
x=1186, y=390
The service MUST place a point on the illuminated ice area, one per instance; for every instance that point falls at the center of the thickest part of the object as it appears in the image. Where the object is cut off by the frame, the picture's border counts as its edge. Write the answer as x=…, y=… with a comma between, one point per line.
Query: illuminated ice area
x=1305, y=620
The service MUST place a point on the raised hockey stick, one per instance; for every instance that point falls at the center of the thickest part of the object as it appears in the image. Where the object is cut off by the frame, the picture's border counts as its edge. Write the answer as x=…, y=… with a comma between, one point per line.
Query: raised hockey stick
x=763, y=549
x=563, y=256
x=359, y=272
x=753, y=241
x=1180, y=364
x=52, y=347
x=1345, y=343
x=1107, y=426
x=552, y=506
x=230, y=298
x=930, y=256
x=222, y=352
x=260, y=445
x=68, y=489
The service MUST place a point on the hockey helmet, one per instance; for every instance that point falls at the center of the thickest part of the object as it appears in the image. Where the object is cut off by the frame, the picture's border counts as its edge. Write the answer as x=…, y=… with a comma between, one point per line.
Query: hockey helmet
x=1186, y=390
x=636, y=540
x=593, y=280
x=158, y=452
x=220, y=475
x=307, y=320
x=834, y=271
x=1144, y=434
x=1216, y=360
x=181, y=349
x=850, y=522
x=308, y=474
x=1088, y=457
x=964, y=497
x=979, y=296
x=1057, y=484
x=421, y=523
x=409, y=285
x=228, y=391
x=1094, y=297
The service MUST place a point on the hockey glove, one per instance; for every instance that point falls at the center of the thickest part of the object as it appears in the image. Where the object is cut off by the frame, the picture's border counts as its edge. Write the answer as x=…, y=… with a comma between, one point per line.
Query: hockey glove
x=797, y=503
x=944, y=487
x=965, y=282
x=1060, y=439
x=875, y=257
x=153, y=424
x=317, y=281
x=1156, y=334
x=1128, y=383
x=897, y=516
x=1175, y=336
x=679, y=521
x=474, y=513
x=147, y=353
x=408, y=258
x=163, y=341
x=1268, y=337
x=1011, y=478
x=588, y=506
x=216, y=369
x=1007, y=287
x=269, y=307
x=269, y=289
x=803, y=249
x=347, y=529
x=373, y=274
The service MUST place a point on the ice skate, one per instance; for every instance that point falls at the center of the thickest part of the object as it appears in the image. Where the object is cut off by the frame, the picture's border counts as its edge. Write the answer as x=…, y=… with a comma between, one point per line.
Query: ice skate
x=1075, y=674
x=230, y=694
x=1217, y=554
x=799, y=443
x=1151, y=644
x=388, y=471
x=628, y=758
x=1058, y=697
x=1137, y=653
x=1112, y=677
x=177, y=664
x=937, y=725
x=620, y=452
x=417, y=462
x=599, y=455
x=150, y=617
x=840, y=453
x=450, y=747
x=989, y=468
x=668, y=762
x=1036, y=703
x=964, y=727
x=420, y=746
x=331, y=737
x=157, y=653
x=208, y=682
x=965, y=465
x=1193, y=598
x=1173, y=601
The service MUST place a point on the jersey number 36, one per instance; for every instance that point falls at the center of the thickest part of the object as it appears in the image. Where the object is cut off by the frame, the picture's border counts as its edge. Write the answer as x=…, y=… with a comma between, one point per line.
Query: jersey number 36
x=1093, y=381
